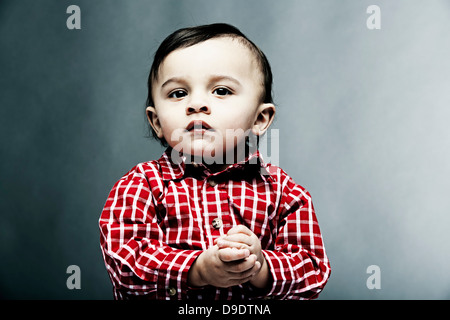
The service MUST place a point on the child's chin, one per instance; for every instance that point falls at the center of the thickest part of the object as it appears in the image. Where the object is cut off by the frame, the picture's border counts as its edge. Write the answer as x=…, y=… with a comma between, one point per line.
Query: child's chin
x=207, y=153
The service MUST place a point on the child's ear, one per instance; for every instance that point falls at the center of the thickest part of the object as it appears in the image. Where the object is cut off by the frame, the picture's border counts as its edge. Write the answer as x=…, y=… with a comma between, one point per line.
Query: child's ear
x=265, y=116
x=153, y=119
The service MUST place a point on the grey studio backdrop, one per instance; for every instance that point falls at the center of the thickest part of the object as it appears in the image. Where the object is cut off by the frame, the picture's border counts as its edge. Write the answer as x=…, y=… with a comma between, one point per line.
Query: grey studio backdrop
x=362, y=117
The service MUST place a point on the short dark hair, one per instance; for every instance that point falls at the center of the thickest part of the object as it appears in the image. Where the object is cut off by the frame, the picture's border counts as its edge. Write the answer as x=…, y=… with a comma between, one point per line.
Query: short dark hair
x=186, y=37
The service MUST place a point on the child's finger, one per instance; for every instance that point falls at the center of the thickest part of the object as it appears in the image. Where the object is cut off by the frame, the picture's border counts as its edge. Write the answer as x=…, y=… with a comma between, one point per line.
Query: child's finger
x=233, y=254
x=243, y=268
x=240, y=229
x=238, y=237
x=223, y=243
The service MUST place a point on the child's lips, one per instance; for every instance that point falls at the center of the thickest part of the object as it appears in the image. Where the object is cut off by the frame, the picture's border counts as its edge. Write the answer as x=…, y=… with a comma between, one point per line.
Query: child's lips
x=198, y=126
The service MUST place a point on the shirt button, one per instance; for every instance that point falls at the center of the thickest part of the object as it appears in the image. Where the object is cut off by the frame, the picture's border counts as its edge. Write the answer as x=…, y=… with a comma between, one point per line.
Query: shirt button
x=172, y=291
x=217, y=223
x=212, y=183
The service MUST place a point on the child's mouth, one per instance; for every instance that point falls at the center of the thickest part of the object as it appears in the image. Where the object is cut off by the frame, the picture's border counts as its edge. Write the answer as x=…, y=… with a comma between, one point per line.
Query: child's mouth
x=198, y=127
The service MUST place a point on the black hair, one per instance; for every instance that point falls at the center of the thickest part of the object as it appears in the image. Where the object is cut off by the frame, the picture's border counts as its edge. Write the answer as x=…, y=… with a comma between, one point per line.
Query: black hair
x=186, y=37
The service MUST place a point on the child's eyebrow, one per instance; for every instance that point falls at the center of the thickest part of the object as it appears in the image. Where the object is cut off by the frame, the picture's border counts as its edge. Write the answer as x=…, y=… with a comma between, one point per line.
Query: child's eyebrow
x=219, y=77
x=213, y=78
x=174, y=79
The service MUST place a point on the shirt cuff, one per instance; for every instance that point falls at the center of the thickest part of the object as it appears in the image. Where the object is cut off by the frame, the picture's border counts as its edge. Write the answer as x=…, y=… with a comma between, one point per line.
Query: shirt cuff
x=287, y=283
x=173, y=273
x=281, y=273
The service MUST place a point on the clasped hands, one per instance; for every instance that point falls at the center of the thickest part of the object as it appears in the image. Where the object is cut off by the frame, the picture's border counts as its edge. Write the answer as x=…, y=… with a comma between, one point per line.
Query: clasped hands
x=234, y=259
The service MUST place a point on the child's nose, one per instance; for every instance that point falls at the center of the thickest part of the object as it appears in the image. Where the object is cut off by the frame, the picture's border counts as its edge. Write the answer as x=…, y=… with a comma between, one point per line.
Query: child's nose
x=198, y=106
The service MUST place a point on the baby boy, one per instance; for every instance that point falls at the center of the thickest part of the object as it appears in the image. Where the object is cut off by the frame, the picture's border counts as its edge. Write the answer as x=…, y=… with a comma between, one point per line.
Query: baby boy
x=210, y=219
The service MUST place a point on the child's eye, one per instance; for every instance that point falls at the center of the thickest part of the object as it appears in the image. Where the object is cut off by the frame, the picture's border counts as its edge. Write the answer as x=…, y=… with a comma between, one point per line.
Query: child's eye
x=222, y=92
x=177, y=94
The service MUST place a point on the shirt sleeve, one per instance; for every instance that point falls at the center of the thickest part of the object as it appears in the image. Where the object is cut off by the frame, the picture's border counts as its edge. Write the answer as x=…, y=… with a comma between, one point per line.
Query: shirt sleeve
x=139, y=262
x=298, y=264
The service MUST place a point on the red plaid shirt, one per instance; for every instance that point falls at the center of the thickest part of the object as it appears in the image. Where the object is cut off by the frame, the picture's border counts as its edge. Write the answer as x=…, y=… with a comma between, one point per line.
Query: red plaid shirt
x=162, y=214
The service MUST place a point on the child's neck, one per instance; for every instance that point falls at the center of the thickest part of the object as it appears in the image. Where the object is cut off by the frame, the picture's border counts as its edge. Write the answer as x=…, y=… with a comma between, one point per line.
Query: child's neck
x=240, y=154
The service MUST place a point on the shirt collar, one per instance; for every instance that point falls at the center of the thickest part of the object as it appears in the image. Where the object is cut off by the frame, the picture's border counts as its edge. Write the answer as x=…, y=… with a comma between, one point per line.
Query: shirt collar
x=173, y=165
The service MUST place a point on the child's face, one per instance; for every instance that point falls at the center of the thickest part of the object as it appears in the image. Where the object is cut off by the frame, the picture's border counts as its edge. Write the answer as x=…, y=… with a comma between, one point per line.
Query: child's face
x=218, y=82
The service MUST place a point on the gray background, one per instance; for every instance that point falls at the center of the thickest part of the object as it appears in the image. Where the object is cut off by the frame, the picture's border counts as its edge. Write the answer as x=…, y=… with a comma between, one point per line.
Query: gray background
x=362, y=116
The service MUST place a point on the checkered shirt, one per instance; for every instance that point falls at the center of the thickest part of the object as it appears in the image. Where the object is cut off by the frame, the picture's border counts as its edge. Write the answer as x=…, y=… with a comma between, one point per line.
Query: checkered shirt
x=163, y=213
